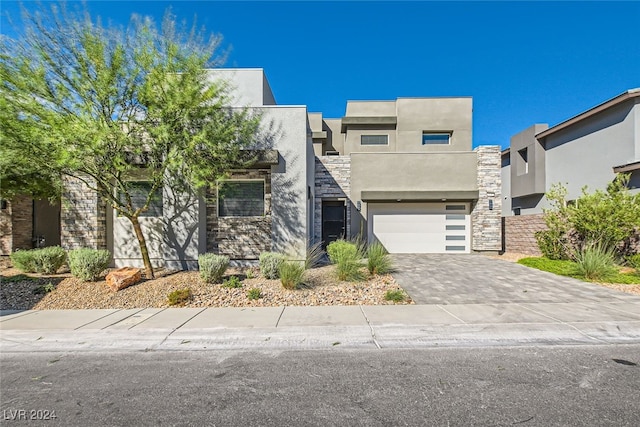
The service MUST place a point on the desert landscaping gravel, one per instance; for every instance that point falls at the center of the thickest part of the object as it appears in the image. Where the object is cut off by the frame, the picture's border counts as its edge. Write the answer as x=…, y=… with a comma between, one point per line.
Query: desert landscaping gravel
x=70, y=293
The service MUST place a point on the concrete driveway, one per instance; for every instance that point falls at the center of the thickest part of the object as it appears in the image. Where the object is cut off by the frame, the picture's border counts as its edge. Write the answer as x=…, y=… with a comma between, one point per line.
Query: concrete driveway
x=478, y=279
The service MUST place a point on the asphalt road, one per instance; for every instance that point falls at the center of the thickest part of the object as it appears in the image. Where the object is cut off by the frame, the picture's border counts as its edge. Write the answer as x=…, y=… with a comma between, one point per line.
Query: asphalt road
x=532, y=386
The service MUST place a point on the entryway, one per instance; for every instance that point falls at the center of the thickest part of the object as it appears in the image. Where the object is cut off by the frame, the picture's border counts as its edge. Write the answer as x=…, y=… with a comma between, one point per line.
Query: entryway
x=334, y=215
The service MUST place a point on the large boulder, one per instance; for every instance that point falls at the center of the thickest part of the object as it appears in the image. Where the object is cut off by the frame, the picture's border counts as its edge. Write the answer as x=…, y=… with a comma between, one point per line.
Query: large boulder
x=123, y=277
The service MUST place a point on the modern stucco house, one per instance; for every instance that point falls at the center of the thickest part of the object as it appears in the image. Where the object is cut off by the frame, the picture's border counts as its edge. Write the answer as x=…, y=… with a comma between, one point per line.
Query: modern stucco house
x=401, y=172
x=588, y=149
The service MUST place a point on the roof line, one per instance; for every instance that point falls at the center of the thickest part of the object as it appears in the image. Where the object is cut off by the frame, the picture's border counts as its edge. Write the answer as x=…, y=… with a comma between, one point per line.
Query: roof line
x=631, y=93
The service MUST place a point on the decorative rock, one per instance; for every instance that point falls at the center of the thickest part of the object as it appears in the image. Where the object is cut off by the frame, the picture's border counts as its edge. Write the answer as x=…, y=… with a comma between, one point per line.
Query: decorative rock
x=123, y=277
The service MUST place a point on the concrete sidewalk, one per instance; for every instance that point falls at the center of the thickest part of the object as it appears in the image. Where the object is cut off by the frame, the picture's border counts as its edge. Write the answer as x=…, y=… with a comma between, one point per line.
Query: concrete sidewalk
x=291, y=327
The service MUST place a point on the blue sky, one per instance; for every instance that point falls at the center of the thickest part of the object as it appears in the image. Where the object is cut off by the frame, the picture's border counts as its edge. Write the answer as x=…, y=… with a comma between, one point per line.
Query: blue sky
x=522, y=62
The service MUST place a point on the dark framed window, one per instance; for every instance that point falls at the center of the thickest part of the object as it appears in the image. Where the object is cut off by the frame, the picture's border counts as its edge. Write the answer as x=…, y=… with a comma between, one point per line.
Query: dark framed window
x=374, y=139
x=437, y=138
x=240, y=198
x=139, y=190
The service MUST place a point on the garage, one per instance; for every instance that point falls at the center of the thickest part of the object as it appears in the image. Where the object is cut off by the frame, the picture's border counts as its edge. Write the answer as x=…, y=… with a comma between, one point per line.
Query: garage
x=420, y=227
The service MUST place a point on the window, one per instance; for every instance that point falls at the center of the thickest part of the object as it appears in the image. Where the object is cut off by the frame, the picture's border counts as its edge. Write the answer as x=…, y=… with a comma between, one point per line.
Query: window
x=522, y=165
x=241, y=198
x=455, y=207
x=3, y=204
x=139, y=190
x=374, y=139
x=431, y=138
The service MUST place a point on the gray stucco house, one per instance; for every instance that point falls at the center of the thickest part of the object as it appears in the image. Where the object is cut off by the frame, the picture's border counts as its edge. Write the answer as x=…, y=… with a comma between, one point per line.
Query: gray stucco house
x=588, y=149
x=401, y=172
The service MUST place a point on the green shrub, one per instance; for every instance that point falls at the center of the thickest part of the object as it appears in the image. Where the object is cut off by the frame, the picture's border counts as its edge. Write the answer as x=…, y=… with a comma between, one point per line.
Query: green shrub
x=348, y=259
x=291, y=274
x=270, y=263
x=349, y=270
x=88, y=264
x=49, y=260
x=552, y=244
x=634, y=261
x=232, y=282
x=378, y=260
x=212, y=267
x=44, y=260
x=395, y=295
x=179, y=297
x=254, y=293
x=595, y=262
x=609, y=217
x=342, y=249
x=24, y=261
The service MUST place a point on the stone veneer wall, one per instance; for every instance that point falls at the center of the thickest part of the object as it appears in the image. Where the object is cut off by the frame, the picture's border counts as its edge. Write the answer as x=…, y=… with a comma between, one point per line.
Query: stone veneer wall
x=240, y=238
x=487, y=223
x=16, y=225
x=332, y=182
x=519, y=233
x=83, y=217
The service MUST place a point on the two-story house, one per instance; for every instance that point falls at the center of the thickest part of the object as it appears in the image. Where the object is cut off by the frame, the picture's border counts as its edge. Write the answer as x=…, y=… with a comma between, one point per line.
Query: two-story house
x=399, y=172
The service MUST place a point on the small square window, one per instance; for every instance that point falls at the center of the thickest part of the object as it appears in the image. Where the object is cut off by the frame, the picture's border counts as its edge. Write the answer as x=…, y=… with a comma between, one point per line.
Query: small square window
x=139, y=191
x=240, y=198
x=436, y=138
x=374, y=139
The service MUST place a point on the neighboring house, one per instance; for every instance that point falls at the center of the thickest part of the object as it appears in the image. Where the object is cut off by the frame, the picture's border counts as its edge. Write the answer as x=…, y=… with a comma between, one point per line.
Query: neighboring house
x=588, y=149
x=400, y=172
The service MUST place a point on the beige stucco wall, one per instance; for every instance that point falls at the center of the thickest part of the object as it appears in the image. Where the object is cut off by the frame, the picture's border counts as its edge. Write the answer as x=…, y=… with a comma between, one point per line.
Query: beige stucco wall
x=416, y=115
x=413, y=116
x=438, y=172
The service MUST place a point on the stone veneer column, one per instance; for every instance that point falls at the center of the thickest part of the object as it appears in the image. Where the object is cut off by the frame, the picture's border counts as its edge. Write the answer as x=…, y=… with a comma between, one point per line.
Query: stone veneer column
x=487, y=223
x=16, y=225
x=83, y=217
x=332, y=181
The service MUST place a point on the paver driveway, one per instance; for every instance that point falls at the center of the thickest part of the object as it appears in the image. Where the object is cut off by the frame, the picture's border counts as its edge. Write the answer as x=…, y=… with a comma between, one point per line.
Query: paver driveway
x=478, y=279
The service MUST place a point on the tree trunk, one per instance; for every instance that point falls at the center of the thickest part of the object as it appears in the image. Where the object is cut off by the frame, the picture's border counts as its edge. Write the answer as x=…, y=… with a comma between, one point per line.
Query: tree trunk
x=148, y=269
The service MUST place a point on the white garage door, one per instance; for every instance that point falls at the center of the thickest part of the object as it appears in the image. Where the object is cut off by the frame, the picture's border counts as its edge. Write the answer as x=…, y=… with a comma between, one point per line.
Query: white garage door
x=420, y=227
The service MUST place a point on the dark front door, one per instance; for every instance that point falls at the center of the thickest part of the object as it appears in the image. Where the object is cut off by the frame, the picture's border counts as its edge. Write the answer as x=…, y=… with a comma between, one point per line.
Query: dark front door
x=333, y=221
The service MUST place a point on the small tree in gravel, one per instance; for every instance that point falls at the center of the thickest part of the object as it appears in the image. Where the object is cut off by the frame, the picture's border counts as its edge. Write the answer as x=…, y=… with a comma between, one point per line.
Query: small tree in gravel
x=103, y=104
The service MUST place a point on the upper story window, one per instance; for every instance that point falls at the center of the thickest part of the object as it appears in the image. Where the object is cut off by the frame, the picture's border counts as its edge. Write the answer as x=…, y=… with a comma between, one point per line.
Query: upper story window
x=241, y=198
x=374, y=140
x=437, y=138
